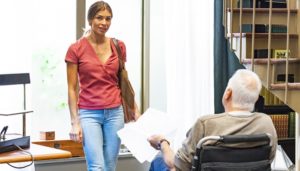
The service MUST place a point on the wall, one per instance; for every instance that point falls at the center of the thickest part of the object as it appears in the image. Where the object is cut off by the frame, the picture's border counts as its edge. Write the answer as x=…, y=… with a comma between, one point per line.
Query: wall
x=125, y=163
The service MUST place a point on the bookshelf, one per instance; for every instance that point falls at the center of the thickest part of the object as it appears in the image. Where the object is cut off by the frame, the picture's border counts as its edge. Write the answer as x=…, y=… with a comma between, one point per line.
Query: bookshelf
x=17, y=79
x=283, y=118
x=264, y=35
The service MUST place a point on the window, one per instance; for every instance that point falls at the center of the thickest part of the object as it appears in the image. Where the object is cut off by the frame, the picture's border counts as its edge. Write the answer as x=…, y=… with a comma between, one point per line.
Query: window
x=35, y=37
x=53, y=31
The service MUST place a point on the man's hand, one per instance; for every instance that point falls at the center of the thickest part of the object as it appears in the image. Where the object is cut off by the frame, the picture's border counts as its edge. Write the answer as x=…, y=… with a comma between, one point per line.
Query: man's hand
x=166, y=150
x=154, y=140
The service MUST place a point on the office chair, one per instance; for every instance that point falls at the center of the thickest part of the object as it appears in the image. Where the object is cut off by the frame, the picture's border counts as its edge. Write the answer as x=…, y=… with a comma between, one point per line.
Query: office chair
x=222, y=155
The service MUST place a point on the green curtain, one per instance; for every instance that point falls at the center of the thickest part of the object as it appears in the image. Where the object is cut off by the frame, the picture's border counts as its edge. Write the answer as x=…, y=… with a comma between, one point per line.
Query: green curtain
x=225, y=61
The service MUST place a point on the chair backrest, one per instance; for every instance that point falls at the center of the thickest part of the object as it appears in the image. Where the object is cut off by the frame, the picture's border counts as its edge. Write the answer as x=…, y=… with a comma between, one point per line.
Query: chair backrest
x=233, y=153
x=12, y=79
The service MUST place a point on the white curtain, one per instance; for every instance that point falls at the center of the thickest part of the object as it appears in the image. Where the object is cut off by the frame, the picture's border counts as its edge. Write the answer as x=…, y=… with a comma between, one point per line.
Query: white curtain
x=188, y=41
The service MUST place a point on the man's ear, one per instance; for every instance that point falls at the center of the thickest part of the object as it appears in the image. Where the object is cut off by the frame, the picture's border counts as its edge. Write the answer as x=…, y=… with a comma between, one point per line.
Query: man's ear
x=228, y=94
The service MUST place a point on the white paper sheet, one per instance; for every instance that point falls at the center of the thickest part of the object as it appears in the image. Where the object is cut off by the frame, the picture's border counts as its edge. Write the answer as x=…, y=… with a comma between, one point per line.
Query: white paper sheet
x=134, y=135
x=281, y=161
x=6, y=167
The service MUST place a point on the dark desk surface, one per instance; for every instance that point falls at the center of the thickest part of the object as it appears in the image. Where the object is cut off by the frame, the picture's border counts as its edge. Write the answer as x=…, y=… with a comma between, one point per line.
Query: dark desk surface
x=39, y=152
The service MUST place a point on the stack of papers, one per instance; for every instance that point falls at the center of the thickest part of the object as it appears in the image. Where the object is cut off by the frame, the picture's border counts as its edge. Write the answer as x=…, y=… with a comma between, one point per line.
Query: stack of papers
x=134, y=135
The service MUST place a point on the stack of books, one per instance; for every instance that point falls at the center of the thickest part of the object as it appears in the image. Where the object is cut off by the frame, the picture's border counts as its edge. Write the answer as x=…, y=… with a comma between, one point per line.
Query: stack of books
x=264, y=28
x=275, y=3
x=281, y=123
x=275, y=53
x=258, y=28
x=281, y=78
x=277, y=28
x=261, y=53
x=263, y=3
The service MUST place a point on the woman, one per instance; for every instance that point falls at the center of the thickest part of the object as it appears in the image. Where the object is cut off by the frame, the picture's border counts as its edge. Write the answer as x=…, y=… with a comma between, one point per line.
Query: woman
x=93, y=92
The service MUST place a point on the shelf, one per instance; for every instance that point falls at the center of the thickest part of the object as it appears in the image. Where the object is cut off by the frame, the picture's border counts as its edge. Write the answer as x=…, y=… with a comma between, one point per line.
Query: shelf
x=281, y=86
x=280, y=109
x=263, y=10
x=286, y=139
x=264, y=61
x=263, y=35
x=10, y=113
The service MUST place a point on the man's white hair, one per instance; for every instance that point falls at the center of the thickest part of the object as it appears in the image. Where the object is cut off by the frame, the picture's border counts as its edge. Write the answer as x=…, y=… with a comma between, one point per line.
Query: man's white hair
x=245, y=86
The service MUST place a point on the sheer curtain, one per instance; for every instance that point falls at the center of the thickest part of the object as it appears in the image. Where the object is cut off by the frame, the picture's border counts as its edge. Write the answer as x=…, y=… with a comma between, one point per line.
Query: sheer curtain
x=188, y=41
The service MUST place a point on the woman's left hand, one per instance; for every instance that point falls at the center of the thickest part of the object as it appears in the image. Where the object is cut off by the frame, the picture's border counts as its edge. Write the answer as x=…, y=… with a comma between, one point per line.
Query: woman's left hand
x=137, y=114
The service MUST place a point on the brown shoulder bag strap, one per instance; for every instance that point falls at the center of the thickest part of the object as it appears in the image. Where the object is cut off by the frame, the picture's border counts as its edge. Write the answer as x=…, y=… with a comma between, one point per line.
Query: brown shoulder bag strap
x=121, y=62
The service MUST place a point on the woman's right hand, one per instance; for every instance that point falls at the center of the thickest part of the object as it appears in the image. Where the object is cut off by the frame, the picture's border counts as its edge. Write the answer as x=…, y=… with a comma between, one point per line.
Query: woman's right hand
x=76, y=133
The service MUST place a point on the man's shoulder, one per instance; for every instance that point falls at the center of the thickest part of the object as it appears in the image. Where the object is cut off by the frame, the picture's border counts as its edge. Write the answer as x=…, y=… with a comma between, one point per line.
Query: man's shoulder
x=262, y=115
x=211, y=117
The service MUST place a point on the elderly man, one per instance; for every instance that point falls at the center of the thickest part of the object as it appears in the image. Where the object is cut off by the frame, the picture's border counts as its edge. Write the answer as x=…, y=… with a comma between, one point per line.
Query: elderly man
x=239, y=98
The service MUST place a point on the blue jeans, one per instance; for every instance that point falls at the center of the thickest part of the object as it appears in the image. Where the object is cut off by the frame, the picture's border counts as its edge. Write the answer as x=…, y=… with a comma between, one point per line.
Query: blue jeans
x=158, y=164
x=101, y=143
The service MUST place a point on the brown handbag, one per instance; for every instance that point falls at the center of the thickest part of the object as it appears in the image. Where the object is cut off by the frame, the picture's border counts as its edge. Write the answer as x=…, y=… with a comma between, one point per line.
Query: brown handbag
x=127, y=92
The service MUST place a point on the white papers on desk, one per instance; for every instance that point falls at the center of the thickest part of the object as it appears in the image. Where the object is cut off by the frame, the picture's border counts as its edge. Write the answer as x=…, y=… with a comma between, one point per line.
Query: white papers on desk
x=134, y=135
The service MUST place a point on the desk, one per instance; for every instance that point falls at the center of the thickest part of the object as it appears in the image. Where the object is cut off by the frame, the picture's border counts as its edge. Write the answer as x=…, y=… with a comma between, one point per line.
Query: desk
x=39, y=152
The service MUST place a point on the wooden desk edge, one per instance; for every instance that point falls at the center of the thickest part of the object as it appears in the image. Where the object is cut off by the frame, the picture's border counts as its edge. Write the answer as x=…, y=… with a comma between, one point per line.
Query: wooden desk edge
x=39, y=152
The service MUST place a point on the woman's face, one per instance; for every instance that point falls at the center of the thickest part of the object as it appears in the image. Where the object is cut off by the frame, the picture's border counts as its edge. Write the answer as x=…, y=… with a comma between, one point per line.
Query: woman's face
x=101, y=22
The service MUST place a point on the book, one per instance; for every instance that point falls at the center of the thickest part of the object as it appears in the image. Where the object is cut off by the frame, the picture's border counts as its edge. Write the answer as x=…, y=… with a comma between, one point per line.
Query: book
x=280, y=53
x=245, y=3
x=258, y=3
x=292, y=124
x=261, y=53
x=258, y=28
x=277, y=28
x=275, y=4
x=281, y=123
x=264, y=28
x=281, y=78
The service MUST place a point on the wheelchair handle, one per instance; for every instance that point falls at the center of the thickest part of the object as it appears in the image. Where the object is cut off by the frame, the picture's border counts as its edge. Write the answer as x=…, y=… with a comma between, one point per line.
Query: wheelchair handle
x=245, y=138
x=237, y=138
x=203, y=140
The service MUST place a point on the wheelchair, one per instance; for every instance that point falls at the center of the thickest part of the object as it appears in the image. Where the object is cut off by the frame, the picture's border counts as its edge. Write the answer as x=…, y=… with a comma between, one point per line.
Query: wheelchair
x=230, y=153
